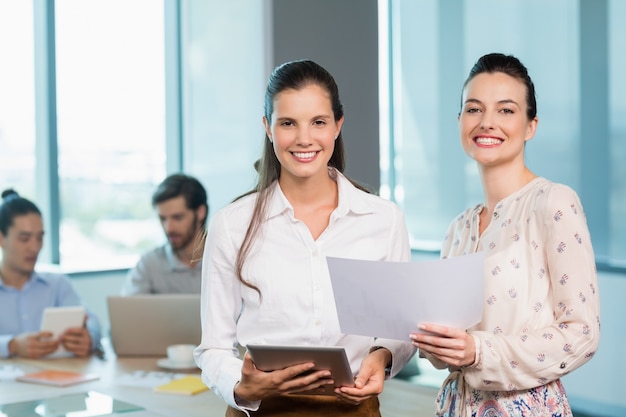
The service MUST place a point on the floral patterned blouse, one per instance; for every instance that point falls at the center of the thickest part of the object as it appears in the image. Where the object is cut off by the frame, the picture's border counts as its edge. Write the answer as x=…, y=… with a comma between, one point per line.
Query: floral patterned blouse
x=541, y=317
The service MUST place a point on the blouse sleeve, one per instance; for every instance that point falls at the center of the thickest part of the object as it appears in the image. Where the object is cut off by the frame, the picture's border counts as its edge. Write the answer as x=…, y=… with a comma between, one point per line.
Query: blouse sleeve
x=549, y=352
x=217, y=354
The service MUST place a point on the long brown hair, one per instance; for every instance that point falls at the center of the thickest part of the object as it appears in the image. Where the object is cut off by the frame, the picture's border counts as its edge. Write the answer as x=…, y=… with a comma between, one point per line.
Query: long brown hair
x=293, y=75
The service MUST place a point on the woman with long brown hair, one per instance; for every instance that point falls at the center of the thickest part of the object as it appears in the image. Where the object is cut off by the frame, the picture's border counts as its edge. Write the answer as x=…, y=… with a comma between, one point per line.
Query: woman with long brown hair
x=265, y=277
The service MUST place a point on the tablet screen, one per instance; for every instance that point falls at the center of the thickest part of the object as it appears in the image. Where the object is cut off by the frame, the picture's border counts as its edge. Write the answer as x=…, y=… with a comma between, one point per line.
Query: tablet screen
x=332, y=358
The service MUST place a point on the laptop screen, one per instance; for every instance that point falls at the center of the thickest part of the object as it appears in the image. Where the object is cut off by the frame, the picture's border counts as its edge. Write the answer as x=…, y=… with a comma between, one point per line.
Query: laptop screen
x=144, y=325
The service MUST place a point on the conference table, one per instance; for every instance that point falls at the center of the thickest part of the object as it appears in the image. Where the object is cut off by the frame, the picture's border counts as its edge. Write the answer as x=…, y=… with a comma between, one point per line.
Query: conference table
x=118, y=388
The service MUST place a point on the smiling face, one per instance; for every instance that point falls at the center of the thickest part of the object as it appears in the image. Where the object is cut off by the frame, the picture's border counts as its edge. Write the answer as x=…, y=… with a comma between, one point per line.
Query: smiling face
x=22, y=244
x=493, y=123
x=303, y=131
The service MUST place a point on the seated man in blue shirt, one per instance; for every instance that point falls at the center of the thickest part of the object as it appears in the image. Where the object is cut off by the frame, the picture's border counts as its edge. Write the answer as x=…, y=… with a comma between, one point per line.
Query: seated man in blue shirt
x=175, y=267
x=24, y=293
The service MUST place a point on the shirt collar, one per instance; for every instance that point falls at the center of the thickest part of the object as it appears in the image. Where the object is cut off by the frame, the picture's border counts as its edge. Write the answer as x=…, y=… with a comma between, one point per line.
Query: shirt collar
x=33, y=277
x=173, y=261
x=350, y=198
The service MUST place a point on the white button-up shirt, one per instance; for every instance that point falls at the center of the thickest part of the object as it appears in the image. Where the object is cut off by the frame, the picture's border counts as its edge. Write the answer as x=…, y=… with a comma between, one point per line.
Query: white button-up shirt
x=289, y=267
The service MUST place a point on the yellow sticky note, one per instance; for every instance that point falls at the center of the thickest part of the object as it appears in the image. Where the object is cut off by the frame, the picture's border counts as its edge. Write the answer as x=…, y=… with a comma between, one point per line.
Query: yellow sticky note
x=187, y=385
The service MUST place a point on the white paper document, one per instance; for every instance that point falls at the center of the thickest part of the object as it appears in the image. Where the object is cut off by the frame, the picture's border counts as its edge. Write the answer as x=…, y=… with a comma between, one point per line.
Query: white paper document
x=389, y=299
x=147, y=379
x=9, y=372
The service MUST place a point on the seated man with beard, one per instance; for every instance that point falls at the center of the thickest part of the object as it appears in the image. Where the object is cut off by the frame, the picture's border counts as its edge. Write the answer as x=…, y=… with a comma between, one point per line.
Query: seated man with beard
x=176, y=266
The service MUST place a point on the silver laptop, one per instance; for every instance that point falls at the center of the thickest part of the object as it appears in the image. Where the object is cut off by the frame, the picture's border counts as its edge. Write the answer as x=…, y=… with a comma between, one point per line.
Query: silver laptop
x=144, y=325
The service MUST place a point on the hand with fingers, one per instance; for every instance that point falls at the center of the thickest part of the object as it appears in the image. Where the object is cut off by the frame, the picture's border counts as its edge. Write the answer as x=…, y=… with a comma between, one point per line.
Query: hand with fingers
x=76, y=340
x=255, y=385
x=33, y=345
x=451, y=345
x=370, y=380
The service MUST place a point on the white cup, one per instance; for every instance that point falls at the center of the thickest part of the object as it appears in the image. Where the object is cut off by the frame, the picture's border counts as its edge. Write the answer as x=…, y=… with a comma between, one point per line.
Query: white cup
x=180, y=354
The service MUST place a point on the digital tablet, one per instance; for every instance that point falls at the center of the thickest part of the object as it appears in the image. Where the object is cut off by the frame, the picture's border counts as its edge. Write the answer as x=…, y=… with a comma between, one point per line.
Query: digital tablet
x=58, y=319
x=332, y=358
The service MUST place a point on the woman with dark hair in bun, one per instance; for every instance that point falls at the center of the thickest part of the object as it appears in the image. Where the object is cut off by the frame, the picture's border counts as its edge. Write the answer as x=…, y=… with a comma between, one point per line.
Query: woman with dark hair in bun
x=24, y=293
x=541, y=317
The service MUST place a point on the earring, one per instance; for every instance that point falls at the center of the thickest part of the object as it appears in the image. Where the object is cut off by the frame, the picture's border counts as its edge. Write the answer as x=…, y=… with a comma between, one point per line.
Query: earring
x=336, y=137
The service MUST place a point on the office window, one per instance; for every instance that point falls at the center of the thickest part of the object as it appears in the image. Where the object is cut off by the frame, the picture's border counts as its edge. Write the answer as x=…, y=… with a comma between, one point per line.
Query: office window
x=617, y=117
x=432, y=46
x=17, y=98
x=111, y=128
x=224, y=75
x=88, y=105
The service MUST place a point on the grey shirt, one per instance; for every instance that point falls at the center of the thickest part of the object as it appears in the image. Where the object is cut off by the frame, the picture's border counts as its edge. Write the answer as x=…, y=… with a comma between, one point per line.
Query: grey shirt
x=161, y=272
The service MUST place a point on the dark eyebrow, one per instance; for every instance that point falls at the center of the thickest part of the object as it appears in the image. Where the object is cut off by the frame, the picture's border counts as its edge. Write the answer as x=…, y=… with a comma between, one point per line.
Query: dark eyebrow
x=28, y=234
x=472, y=100
x=319, y=116
x=505, y=101
x=508, y=101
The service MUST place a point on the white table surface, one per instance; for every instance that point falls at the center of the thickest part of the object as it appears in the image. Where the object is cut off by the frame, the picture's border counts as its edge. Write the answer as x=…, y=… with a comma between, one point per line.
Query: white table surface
x=399, y=399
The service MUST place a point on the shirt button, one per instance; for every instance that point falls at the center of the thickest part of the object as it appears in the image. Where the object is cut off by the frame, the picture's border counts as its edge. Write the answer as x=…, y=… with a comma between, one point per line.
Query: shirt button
x=563, y=365
x=314, y=253
x=318, y=322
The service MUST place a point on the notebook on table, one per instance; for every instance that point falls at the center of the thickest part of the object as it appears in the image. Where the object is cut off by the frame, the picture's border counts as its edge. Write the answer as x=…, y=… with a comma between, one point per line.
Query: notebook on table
x=57, y=377
x=144, y=325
